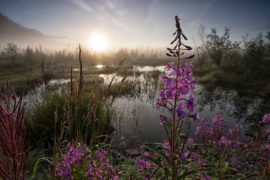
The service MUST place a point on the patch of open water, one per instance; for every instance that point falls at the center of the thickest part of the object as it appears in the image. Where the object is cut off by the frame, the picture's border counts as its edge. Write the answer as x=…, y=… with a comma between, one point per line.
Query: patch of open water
x=137, y=119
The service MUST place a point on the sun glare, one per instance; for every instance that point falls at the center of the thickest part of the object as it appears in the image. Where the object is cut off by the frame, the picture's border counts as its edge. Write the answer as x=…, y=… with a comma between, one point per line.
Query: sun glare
x=99, y=66
x=98, y=42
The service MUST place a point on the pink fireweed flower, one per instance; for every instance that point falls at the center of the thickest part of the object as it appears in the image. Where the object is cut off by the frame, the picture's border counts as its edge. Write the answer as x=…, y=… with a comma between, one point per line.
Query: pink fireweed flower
x=225, y=141
x=235, y=161
x=194, y=116
x=190, y=141
x=169, y=66
x=122, y=138
x=97, y=165
x=164, y=119
x=204, y=129
x=235, y=132
x=73, y=156
x=184, y=82
x=265, y=119
x=180, y=112
x=218, y=120
x=190, y=103
x=142, y=164
x=186, y=153
x=100, y=153
x=147, y=175
x=146, y=153
x=166, y=146
x=267, y=147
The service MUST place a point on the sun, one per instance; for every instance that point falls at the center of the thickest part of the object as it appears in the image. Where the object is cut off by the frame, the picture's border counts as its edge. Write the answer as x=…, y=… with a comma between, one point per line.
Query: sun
x=98, y=42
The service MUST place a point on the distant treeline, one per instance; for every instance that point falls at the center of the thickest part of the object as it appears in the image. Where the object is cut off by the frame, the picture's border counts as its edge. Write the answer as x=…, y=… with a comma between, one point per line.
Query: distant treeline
x=243, y=66
x=30, y=56
x=223, y=51
x=218, y=49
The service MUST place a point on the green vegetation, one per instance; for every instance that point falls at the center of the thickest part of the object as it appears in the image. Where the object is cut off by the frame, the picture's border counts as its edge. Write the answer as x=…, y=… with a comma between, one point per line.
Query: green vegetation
x=222, y=62
x=82, y=112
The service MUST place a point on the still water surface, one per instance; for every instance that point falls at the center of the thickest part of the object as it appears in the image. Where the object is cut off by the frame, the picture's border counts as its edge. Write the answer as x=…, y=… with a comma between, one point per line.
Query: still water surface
x=136, y=117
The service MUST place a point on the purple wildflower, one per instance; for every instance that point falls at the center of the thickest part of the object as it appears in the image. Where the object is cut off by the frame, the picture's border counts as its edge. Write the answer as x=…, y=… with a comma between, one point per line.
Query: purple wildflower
x=142, y=163
x=218, y=120
x=180, y=112
x=169, y=66
x=225, y=141
x=164, y=119
x=190, y=141
x=235, y=161
x=98, y=165
x=190, y=103
x=265, y=119
x=122, y=138
x=147, y=175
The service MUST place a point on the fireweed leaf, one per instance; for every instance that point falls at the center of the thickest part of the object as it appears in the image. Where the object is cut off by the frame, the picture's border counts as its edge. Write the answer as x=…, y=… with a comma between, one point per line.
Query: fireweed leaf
x=189, y=57
x=184, y=36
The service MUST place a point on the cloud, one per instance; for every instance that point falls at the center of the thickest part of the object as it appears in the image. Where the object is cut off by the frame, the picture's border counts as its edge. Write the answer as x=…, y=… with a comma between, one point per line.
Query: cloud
x=82, y=4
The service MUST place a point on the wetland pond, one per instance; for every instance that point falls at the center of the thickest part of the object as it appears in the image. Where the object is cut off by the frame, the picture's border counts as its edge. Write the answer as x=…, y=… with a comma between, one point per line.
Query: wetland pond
x=137, y=119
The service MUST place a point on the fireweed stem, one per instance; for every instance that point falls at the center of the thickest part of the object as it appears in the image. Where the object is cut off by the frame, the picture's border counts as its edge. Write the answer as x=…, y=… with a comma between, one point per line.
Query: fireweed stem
x=173, y=129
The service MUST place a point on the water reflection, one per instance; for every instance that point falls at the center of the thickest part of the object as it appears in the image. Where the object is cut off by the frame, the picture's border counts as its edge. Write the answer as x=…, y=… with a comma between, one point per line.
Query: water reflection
x=116, y=78
x=138, y=120
x=36, y=95
x=99, y=66
x=148, y=68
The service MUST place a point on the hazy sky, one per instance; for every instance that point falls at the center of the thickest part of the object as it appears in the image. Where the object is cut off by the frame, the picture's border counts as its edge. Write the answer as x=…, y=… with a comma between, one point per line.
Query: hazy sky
x=138, y=22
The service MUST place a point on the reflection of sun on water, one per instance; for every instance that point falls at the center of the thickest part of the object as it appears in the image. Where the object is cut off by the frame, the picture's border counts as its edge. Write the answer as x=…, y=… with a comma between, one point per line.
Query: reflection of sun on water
x=99, y=66
x=98, y=42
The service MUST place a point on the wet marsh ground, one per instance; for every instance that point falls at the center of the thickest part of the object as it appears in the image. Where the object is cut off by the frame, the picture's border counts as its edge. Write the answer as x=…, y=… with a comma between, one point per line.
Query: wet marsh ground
x=125, y=99
x=134, y=114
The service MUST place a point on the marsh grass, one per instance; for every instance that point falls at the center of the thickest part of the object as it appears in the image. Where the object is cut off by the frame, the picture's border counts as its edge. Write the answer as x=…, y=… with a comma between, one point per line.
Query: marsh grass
x=247, y=82
x=81, y=113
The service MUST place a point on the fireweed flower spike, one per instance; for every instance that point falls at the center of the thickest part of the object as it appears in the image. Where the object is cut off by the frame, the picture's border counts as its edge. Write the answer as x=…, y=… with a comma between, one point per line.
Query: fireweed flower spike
x=176, y=95
x=214, y=150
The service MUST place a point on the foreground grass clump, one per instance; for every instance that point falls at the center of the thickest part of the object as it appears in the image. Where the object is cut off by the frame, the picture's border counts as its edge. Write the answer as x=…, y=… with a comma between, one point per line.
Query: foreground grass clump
x=80, y=114
x=76, y=115
x=60, y=118
x=13, y=128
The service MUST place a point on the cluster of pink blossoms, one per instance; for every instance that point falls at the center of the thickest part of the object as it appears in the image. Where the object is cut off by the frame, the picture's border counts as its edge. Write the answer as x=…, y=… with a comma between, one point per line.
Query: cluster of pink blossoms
x=77, y=157
x=213, y=133
x=179, y=82
x=145, y=166
x=213, y=151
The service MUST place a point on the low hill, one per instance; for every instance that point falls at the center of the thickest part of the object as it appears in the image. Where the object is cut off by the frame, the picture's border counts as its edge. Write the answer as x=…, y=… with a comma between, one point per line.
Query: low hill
x=11, y=31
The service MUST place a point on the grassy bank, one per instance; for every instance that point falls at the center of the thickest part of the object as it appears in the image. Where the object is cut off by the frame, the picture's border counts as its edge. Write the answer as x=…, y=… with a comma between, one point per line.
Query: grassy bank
x=247, y=81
